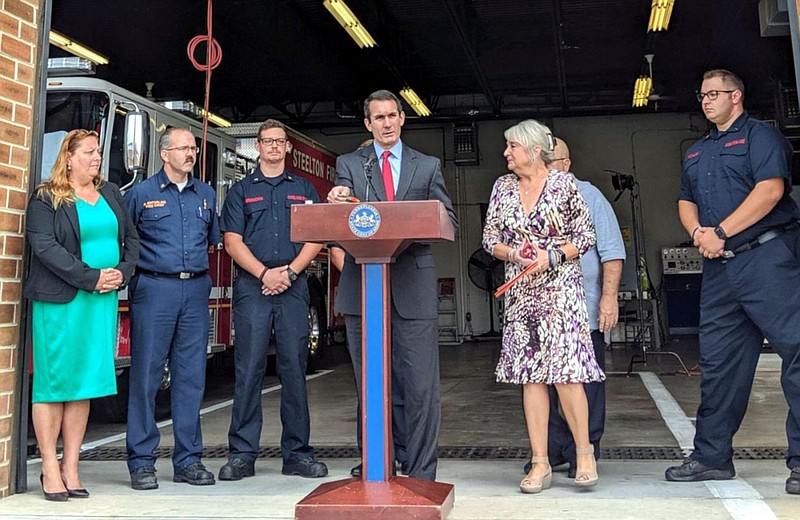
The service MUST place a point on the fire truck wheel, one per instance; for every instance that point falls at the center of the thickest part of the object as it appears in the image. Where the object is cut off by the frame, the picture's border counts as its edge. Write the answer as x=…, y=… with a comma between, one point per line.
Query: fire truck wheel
x=113, y=408
x=317, y=323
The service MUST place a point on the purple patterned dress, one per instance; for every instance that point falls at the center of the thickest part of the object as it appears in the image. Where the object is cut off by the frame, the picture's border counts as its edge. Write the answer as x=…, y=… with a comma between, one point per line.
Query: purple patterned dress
x=546, y=326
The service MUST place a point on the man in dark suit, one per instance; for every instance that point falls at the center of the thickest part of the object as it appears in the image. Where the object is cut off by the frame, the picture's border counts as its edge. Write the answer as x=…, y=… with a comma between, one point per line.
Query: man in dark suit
x=388, y=170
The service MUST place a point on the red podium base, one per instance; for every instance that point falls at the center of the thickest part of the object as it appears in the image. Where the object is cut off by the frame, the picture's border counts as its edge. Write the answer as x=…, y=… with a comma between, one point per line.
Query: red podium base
x=398, y=498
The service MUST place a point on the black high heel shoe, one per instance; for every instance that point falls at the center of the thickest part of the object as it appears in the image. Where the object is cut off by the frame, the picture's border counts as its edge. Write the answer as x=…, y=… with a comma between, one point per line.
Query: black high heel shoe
x=61, y=496
x=77, y=492
x=74, y=493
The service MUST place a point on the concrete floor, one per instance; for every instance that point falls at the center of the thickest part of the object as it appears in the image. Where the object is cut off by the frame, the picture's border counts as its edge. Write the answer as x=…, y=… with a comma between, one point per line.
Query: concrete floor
x=652, y=408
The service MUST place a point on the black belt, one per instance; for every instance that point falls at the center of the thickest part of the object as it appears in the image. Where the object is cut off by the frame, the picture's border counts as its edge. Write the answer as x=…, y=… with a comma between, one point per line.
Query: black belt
x=763, y=238
x=181, y=276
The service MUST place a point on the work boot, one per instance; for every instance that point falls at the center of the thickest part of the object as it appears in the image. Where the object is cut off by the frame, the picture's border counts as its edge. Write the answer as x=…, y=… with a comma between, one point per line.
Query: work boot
x=195, y=474
x=695, y=471
x=144, y=478
x=309, y=468
x=237, y=469
x=793, y=482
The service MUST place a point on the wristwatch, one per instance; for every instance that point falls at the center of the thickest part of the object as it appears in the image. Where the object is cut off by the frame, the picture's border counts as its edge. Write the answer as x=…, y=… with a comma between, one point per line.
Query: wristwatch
x=720, y=233
x=292, y=275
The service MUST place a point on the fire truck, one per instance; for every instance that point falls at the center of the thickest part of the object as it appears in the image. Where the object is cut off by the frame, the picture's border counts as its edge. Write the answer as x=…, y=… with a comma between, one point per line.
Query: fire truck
x=129, y=127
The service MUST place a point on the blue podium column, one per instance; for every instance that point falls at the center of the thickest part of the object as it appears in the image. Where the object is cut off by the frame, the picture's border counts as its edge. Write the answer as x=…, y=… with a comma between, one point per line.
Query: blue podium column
x=376, y=374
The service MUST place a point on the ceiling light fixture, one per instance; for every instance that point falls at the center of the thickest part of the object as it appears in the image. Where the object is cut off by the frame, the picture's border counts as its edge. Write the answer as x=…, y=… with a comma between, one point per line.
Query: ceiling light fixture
x=349, y=22
x=217, y=120
x=641, y=91
x=660, y=14
x=75, y=48
x=416, y=103
x=644, y=84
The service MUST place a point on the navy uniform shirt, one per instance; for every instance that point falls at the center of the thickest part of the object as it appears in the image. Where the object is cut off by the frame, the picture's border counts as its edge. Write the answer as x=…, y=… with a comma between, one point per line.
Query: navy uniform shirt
x=721, y=169
x=259, y=209
x=176, y=227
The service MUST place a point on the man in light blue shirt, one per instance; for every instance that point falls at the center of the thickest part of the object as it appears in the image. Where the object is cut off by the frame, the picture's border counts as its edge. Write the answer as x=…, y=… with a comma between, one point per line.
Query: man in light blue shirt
x=602, y=270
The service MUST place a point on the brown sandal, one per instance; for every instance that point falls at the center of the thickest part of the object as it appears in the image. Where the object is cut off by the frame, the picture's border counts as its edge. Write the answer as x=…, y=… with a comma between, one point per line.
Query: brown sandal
x=530, y=485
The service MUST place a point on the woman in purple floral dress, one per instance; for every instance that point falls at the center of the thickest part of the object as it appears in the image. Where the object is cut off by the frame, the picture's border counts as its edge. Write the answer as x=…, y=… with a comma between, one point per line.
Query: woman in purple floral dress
x=537, y=215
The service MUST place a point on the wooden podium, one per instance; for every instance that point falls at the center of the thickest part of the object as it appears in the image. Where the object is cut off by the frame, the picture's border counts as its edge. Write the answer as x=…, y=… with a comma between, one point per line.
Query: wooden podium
x=375, y=233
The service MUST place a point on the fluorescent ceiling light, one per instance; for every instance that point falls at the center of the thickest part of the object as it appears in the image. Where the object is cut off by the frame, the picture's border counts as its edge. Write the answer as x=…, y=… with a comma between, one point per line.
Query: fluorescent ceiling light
x=217, y=120
x=660, y=14
x=349, y=22
x=641, y=91
x=416, y=103
x=75, y=48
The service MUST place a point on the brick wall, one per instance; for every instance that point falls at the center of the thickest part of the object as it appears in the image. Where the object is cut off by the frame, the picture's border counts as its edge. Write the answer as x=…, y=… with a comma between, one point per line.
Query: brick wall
x=18, y=38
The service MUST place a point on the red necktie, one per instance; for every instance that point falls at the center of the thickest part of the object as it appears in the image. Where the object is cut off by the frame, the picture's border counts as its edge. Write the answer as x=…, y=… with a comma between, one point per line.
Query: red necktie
x=386, y=172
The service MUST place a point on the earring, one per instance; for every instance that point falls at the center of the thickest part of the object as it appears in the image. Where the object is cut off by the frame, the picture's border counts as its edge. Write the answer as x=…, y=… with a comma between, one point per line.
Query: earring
x=69, y=168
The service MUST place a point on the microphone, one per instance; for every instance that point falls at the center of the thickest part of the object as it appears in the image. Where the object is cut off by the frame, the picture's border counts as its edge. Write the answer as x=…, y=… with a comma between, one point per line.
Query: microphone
x=368, y=173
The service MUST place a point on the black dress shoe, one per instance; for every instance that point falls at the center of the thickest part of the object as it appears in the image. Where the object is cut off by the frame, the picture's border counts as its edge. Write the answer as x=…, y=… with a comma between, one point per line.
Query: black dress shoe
x=398, y=467
x=59, y=496
x=308, y=468
x=694, y=471
x=793, y=482
x=144, y=478
x=401, y=467
x=195, y=474
x=237, y=469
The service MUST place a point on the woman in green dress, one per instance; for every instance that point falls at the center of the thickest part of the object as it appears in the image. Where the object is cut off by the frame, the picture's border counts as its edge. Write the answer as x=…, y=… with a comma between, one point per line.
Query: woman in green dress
x=84, y=248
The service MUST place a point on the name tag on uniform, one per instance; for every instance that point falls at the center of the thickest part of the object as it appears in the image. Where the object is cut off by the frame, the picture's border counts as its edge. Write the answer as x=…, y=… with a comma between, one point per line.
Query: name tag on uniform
x=251, y=200
x=150, y=204
x=295, y=197
x=735, y=142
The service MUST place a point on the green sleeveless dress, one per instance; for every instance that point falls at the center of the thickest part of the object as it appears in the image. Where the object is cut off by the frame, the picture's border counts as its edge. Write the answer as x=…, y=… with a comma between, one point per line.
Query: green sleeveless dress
x=74, y=342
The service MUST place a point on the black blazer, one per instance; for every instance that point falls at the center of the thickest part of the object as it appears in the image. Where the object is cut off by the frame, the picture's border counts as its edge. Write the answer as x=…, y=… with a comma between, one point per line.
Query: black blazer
x=56, y=270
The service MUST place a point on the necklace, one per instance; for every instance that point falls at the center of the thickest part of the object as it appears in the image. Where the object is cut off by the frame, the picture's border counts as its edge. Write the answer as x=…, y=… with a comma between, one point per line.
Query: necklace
x=527, y=187
x=533, y=181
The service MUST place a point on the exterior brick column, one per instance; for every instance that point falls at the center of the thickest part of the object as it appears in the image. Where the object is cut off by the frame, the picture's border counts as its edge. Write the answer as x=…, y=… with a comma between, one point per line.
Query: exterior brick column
x=19, y=34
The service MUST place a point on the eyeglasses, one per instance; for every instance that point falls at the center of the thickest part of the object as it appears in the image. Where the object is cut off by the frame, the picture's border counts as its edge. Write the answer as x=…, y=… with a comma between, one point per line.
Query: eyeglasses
x=184, y=149
x=560, y=159
x=268, y=141
x=712, y=94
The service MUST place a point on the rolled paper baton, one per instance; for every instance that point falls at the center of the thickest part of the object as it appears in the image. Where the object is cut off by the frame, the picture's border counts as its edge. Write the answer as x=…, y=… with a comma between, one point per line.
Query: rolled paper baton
x=506, y=286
